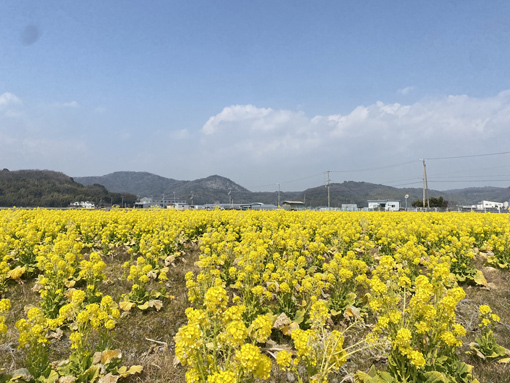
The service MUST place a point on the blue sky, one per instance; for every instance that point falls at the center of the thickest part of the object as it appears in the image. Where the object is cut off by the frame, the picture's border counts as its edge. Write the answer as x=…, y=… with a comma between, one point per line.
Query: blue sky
x=262, y=92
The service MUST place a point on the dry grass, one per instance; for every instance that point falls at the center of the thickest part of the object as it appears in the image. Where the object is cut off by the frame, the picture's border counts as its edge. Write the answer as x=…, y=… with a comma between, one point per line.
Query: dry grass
x=146, y=338
x=497, y=296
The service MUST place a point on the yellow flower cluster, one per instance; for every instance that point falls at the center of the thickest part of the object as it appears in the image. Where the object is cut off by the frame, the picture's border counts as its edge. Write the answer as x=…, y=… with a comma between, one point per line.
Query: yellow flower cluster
x=487, y=317
x=215, y=331
x=291, y=277
x=5, y=305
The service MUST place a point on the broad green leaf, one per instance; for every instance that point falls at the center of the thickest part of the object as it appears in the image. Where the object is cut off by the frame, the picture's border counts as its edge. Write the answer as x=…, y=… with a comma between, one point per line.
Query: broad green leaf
x=300, y=316
x=52, y=377
x=434, y=377
x=89, y=376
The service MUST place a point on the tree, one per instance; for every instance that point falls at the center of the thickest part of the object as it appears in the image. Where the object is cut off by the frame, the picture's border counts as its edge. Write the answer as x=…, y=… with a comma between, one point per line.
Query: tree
x=439, y=202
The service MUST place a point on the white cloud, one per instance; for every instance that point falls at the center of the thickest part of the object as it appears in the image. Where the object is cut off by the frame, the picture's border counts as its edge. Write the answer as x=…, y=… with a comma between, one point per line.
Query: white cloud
x=263, y=145
x=406, y=90
x=368, y=136
x=8, y=99
x=235, y=113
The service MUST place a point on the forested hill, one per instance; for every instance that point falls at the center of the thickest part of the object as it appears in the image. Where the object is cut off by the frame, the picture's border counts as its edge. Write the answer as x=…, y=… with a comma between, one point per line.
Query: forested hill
x=216, y=188
x=45, y=188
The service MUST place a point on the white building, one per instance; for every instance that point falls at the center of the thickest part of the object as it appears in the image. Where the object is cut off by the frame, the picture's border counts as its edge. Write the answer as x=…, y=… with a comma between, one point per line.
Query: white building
x=83, y=204
x=491, y=205
x=384, y=205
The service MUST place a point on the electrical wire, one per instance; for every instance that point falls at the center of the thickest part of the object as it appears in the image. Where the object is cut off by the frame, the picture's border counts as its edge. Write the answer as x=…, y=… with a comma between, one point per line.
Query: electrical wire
x=408, y=163
x=378, y=168
x=468, y=156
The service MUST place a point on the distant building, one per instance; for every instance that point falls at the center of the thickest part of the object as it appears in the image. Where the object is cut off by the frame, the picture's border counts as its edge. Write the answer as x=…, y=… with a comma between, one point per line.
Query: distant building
x=293, y=205
x=259, y=206
x=164, y=203
x=489, y=205
x=384, y=205
x=83, y=204
x=178, y=206
x=349, y=207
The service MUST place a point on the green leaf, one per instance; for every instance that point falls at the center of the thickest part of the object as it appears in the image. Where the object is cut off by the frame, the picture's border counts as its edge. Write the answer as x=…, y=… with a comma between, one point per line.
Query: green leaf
x=386, y=377
x=373, y=371
x=51, y=378
x=434, y=377
x=500, y=350
x=300, y=316
x=89, y=376
x=374, y=376
x=460, y=278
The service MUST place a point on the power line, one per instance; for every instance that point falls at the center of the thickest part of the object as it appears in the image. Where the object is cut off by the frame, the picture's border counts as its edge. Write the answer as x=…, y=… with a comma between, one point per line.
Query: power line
x=410, y=183
x=378, y=168
x=489, y=175
x=474, y=170
x=468, y=156
x=400, y=180
x=442, y=181
x=402, y=164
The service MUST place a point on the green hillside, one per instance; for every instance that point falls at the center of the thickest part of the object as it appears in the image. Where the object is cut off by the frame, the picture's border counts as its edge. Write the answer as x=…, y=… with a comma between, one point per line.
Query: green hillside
x=45, y=188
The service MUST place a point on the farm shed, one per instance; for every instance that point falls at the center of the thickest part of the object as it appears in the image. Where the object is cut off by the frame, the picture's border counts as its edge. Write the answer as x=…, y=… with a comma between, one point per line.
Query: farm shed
x=384, y=205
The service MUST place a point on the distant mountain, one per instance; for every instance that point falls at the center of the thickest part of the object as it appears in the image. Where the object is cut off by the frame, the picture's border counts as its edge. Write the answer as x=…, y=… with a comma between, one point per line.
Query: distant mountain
x=359, y=193
x=205, y=190
x=216, y=189
x=469, y=196
x=45, y=188
x=142, y=184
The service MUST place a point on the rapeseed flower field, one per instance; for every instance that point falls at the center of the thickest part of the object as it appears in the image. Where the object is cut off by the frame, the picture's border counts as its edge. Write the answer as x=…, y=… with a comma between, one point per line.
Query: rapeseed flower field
x=230, y=296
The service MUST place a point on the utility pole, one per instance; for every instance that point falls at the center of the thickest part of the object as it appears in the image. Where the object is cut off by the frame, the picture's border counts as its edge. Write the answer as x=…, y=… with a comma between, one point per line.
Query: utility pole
x=191, y=198
x=425, y=186
x=231, y=200
x=278, y=195
x=329, y=199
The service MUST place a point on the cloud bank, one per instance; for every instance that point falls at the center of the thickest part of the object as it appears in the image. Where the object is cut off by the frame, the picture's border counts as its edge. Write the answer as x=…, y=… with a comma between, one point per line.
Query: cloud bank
x=291, y=143
x=259, y=146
